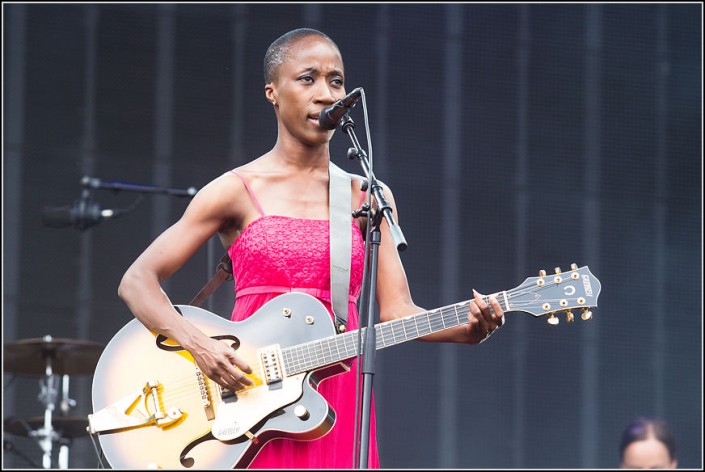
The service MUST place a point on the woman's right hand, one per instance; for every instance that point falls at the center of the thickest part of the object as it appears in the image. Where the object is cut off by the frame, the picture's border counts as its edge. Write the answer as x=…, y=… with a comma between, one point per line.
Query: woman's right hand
x=219, y=362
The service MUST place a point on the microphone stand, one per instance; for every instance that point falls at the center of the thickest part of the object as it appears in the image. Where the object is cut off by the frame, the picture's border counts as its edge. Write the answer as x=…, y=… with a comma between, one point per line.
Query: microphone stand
x=374, y=218
x=91, y=182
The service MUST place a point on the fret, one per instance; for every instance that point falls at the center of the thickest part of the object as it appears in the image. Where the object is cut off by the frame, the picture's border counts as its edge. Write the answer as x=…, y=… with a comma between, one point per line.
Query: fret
x=457, y=315
x=409, y=321
x=321, y=356
x=448, y=321
x=300, y=358
x=330, y=352
x=344, y=345
x=337, y=351
x=293, y=365
x=331, y=355
x=286, y=356
x=350, y=345
x=307, y=357
x=312, y=354
x=442, y=320
x=318, y=356
x=416, y=325
x=426, y=322
x=389, y=331
x=379, y=337
x=437, y=324
x=398, y=331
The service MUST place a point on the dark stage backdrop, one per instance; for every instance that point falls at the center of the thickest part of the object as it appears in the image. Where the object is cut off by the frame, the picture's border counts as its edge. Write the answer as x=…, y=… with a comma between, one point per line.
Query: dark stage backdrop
x=515, y=137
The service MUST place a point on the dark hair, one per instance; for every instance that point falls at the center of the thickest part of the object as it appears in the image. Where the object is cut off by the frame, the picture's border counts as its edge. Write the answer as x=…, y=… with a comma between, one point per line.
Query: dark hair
x=644, y=427
x=279, y=50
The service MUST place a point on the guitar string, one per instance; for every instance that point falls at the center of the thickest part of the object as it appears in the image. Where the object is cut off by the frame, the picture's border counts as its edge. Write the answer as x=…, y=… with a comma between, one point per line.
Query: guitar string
x=187, y=386
x=398, y=327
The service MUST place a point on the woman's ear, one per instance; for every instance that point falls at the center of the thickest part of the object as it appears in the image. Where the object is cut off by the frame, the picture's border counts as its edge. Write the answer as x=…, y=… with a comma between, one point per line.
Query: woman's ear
x=270, y=94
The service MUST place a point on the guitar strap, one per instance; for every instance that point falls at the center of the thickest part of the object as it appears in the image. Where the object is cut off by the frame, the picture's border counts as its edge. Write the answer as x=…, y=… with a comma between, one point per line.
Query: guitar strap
x=223, y=272
x=340, y=196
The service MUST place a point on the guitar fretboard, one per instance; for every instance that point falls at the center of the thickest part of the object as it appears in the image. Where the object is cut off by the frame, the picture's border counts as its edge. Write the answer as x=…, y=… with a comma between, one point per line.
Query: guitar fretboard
x=333, y=349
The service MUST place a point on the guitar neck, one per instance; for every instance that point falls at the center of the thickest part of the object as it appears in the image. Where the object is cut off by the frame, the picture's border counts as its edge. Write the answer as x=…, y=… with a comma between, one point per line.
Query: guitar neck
x=333, y=349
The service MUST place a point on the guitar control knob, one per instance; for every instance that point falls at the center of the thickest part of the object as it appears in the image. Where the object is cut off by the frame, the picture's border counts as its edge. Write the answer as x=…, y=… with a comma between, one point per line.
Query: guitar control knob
x=301, y=412
x=552, y=320
x=587, y=314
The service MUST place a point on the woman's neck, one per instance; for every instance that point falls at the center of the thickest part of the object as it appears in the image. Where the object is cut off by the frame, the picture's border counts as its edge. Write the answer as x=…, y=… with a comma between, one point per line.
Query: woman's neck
x=300, y=157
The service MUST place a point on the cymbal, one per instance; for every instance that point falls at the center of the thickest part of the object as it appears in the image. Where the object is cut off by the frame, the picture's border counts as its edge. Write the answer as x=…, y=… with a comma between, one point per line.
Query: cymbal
x=68, y=356
x=65, y=426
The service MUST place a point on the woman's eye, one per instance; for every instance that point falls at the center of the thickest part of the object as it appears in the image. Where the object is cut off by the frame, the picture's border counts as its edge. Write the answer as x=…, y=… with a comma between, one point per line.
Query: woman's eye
x=306, y=78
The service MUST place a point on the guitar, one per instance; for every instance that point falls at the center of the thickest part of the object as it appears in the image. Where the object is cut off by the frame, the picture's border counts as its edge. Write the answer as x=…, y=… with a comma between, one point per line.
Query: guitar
x=154, y=408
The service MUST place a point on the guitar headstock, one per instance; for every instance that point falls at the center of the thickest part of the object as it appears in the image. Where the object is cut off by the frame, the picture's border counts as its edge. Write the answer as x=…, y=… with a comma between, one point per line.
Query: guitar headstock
x=549, y=294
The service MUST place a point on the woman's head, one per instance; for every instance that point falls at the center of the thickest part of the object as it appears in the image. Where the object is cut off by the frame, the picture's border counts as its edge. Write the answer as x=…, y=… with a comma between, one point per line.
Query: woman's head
x=279, y=50
x=647, y=443
x=304, y=73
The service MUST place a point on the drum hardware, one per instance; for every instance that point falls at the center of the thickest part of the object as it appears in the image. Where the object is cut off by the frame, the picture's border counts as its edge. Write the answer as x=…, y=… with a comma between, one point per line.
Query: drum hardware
x=54, y=360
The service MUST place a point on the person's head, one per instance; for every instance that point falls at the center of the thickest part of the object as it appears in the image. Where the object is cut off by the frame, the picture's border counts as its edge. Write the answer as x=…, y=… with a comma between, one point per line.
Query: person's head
x=279, y=50
x=648, y=443
x=303, y=73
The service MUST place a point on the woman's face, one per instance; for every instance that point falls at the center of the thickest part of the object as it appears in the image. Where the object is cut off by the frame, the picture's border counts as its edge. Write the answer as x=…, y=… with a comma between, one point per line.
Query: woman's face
x=649, y=453
x=310, y=79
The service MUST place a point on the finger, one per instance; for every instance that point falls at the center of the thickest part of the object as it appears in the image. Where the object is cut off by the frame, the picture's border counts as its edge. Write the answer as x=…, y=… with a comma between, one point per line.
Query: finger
x=484, y=308
x=242, y=364
x=232, y=383
x=498, y=312
x=227, y=374
x=477, y=313
x=238, y=376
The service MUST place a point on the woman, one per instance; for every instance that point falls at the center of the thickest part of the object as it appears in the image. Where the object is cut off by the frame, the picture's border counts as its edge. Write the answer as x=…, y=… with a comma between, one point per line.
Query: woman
x=647, y=443
x=272, y=216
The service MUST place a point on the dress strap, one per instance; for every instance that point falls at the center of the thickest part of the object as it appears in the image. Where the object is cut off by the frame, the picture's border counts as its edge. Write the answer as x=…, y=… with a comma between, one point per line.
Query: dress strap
x=252, y=194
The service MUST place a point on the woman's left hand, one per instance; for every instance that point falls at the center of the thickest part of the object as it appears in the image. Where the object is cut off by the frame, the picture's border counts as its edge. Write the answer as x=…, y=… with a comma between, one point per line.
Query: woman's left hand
x=484, y=318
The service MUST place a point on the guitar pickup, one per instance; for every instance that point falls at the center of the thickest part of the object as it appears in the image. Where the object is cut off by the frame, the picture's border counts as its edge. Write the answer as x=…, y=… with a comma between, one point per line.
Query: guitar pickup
x=271, y=364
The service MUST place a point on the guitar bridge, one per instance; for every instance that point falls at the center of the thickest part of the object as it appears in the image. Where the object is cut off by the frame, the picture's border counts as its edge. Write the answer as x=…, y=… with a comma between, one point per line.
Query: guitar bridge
x=205, y=394
x=133, y=411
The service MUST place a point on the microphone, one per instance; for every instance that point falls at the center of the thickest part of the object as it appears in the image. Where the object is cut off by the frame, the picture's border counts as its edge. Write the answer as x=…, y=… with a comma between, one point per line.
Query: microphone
x=330, y=117
x=82, y=215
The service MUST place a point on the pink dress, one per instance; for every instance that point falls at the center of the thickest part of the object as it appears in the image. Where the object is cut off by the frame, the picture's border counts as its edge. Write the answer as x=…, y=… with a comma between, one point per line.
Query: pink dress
x=277, y=254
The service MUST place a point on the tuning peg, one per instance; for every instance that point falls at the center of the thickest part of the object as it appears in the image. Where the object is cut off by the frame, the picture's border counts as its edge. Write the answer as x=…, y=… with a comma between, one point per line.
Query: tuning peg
x=542, y=273
x=587, y=314
x=569, y=316
x=552, y=320
x=558, y=270
x=574, y=266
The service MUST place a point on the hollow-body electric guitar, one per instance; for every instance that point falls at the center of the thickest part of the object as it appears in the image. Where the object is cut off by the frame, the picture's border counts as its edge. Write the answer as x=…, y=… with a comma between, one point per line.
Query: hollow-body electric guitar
x=154, y=408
